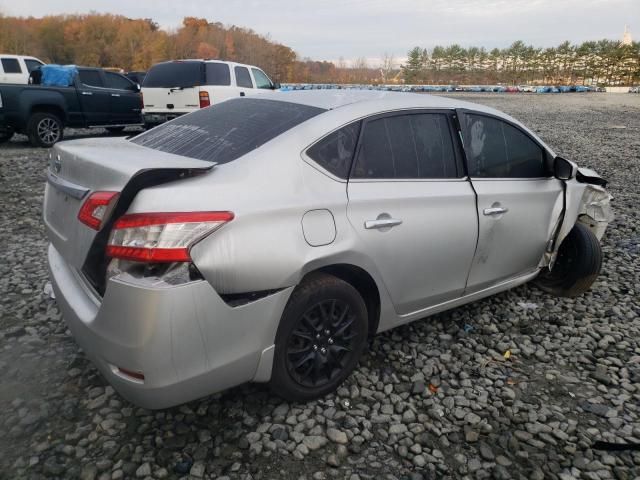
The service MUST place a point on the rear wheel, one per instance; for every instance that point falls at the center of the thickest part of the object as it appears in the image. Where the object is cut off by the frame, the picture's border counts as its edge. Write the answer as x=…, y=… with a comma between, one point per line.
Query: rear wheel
x=115, y=129
x=321, y=337
x=577, y=265
x=44, y=129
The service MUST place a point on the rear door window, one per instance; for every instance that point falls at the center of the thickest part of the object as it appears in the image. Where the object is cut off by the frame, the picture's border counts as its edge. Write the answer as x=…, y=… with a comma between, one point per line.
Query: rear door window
x=218, y=74
x=118, y=82
x=335, y=151
x=243, y=79
x=11, y=65
x=414, y=146
x=179, y=74
x=262, y=81
x=228, y=130
x=91, y=78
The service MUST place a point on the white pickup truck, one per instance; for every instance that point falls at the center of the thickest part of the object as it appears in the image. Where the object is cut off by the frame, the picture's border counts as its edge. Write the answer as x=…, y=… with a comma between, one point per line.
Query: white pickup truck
x=16, y=68
x=176, y=87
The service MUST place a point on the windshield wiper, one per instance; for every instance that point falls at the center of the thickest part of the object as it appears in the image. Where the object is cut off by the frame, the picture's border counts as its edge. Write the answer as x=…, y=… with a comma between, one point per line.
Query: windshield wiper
x=173, y=89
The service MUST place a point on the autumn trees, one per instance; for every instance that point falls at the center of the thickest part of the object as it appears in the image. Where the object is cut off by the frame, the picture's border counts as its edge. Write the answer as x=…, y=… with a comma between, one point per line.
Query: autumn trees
x=106, y=40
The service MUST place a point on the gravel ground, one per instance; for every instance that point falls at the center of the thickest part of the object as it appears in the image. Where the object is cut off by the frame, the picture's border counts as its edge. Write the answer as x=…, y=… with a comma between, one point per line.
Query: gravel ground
x=434, y=399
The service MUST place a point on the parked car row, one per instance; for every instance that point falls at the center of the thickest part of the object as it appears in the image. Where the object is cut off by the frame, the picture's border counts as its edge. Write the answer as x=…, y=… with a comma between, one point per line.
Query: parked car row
x=41, y=100
x=634, y=90
x=448, y=88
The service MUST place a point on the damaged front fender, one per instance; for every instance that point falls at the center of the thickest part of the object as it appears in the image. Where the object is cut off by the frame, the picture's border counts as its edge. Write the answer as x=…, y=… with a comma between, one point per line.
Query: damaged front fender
x=587, y=202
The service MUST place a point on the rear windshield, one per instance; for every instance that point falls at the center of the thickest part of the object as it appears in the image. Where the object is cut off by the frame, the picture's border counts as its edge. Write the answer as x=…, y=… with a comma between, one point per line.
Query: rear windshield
x=174, y=74
x=227, y=131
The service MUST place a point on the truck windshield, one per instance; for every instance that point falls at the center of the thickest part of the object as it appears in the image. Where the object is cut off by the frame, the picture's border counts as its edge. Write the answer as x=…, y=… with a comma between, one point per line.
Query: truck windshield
x=174, y=74
x=227, y=131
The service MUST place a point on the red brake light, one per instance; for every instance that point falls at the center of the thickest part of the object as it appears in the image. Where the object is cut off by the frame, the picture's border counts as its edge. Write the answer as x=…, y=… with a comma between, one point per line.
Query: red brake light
x=162, y=237
x=94, y=210
x=204, y=99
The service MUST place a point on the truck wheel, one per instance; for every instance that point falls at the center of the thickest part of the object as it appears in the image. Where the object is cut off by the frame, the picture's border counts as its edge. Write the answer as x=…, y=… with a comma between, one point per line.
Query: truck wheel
x=44, y=129
x=5, y=136
x=577, y=265
x=322, y=333
x=115, y=129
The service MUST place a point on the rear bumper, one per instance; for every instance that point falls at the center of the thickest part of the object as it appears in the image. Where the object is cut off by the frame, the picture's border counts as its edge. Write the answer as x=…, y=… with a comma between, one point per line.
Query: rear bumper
x=186, y=341
x=151, y=118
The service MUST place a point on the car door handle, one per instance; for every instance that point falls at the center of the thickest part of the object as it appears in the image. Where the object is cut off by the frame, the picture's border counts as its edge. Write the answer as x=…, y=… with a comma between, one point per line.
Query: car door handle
x=382, y=223
x=115, y=94
x=242, y=94
x=87, y=93
x=495, y=211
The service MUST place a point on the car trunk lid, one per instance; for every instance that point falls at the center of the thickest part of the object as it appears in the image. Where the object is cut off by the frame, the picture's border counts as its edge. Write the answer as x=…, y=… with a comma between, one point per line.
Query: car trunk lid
x=79, y=168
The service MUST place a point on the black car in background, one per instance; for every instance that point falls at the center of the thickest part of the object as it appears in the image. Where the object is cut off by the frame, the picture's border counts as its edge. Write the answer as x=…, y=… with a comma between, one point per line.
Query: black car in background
x=97, y=98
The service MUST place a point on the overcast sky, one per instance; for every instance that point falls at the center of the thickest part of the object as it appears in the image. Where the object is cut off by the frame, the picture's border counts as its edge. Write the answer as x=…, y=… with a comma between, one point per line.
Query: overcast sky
x=330, y=29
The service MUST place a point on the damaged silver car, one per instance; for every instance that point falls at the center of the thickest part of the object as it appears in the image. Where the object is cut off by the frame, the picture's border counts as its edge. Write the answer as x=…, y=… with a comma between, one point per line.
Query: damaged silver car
x=266, y=239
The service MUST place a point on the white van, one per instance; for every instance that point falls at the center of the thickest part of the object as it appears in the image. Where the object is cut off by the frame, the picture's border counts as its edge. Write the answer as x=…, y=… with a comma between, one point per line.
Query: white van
x=16, y=68
x=173, y=88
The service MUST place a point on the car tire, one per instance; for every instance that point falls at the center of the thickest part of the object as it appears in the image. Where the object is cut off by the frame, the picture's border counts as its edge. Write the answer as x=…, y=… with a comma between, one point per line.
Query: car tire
x=5, y=136
x=577, y=265
x=322, y=334
x=44, y=129
x=115, y=129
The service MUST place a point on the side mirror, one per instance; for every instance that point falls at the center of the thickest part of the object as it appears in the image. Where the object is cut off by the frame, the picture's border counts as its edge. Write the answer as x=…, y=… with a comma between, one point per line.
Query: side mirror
x=136, y=88
x=275, y=86
x=563, y=169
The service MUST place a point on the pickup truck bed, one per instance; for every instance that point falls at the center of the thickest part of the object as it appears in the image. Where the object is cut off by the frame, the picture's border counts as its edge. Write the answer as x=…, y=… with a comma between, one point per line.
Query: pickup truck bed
x=42, y=112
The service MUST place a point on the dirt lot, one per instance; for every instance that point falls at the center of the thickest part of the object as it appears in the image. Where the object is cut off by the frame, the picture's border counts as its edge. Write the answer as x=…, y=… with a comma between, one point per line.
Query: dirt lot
x=433, y=399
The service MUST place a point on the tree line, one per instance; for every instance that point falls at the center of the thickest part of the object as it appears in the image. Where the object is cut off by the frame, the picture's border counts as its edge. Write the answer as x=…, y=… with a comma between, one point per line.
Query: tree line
x=106, y=40
x=602, y=62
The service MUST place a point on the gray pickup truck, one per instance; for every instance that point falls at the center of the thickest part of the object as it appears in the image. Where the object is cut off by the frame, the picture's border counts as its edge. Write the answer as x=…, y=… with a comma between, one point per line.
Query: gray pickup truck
x=97, y=98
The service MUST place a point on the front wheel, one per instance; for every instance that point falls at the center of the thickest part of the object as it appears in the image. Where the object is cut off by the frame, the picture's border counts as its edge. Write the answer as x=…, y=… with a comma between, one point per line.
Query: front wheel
x=44, y=129
x=322, y=334
x=577, y=265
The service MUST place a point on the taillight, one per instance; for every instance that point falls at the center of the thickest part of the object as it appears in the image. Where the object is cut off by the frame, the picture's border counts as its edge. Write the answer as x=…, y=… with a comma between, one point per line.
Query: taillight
x=95, y=208
x=204, y=99
x=162, y=237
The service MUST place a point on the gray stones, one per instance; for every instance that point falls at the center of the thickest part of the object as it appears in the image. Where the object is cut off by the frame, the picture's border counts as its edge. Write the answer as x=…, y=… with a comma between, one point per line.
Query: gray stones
x=88, y=472
x=314, y=442
x=397, y=429
x=143, y=470
x=337, y=436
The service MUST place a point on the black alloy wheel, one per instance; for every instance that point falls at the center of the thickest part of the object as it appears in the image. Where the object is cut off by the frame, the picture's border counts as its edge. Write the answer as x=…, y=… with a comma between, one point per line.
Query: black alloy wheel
x=321, y=336
x=322, y=344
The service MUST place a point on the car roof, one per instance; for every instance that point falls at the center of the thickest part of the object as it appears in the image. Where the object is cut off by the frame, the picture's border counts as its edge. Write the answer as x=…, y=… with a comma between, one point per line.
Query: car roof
x=349, y=105
x=334, y=99
x=26, y=57
x=213, y=60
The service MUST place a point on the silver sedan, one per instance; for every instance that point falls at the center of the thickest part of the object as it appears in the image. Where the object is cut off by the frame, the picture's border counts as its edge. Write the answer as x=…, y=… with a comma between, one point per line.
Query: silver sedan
x=266, y=239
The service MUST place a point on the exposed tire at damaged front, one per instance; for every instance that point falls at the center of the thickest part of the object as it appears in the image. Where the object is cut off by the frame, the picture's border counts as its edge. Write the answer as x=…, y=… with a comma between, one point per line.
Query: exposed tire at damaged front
x=577, y=265
x=322, y=334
